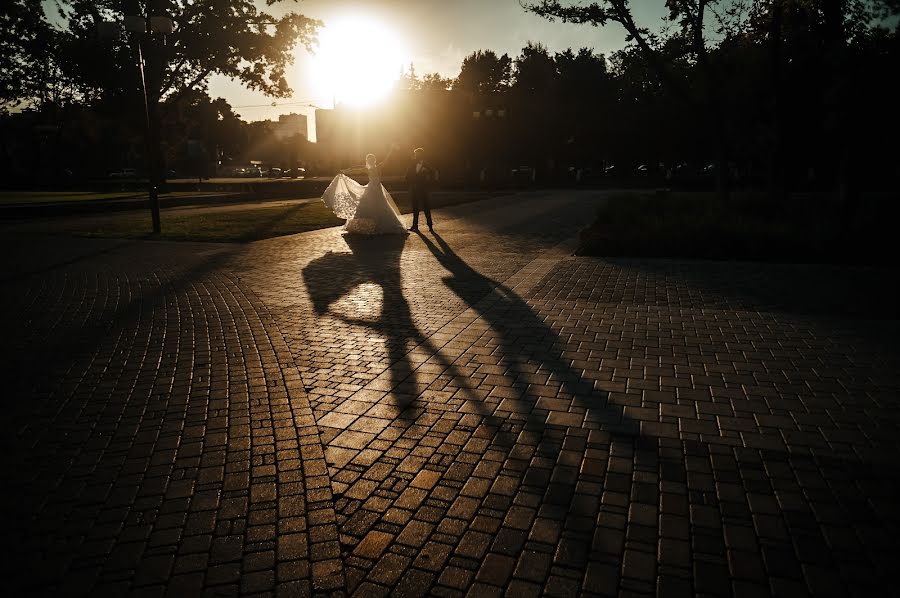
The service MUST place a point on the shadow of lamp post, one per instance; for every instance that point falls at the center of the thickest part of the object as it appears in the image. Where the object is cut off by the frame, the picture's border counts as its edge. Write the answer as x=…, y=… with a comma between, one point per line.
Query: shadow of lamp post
x=144, y=25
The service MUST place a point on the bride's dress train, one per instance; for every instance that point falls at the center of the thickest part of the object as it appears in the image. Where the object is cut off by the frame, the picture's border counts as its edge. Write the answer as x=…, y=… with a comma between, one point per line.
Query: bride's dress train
x=368, y=209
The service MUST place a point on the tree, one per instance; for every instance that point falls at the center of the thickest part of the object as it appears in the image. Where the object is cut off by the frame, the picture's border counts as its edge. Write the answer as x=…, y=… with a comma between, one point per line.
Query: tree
x=435, y=82
x=812, y=82
x=29, y=69
x=536, y=130
x=845, y=24
x=430, y=82
x=40, y=60
x=484, y=72
x=584, y=73
x=584, y=100
x=212, y=122
x=232, y=38
x=535, y=70
x=408, y=80
x=691, y=18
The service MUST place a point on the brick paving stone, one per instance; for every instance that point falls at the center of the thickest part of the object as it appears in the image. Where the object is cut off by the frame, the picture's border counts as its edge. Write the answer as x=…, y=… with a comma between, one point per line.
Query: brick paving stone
x=475, y=412
x=496, y=570
x=389, y=569
x=373, y=545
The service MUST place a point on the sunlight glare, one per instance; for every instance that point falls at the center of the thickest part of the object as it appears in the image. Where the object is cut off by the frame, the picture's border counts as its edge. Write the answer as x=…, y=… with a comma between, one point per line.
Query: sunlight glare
x=358, y=60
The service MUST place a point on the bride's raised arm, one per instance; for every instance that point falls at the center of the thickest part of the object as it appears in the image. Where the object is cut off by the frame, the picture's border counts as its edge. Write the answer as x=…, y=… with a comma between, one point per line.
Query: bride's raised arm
x=387, y=159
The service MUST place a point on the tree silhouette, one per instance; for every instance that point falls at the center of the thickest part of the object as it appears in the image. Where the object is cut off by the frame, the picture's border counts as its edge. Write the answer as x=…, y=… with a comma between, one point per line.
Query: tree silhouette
x=29, y=68
x=484, y=72
x=435, y=82
x=581, y=73
x=692, y=20
x=233, y=38
x=432, y=81
x=535, y=70
x=211, y=122
x=584, y=94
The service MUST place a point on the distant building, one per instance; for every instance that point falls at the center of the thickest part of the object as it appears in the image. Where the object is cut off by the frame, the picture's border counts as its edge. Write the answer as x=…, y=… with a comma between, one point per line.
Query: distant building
x=290, y=125
x=325, y=126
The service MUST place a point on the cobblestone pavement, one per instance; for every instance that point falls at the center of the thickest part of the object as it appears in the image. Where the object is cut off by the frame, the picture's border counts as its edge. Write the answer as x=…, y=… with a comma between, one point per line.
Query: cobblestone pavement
x=466, y=412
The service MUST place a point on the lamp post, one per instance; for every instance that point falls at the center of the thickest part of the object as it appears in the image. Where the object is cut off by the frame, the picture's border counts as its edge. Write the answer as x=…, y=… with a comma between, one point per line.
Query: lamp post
x=143, y=24
x=152, y=147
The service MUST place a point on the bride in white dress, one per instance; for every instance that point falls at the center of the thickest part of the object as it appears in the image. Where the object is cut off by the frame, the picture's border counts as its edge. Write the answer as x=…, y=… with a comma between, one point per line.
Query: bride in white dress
x=369, y=209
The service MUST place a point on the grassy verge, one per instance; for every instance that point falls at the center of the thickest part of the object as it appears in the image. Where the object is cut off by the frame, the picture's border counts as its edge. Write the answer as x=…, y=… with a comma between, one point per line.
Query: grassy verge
x=803, y=228
x=38, y=197
x=234, y=224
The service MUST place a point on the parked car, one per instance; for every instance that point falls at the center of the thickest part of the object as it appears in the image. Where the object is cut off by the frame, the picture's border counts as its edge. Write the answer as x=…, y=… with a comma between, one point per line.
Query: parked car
x=581, y=174
x=522, y=173
x=295, y=173
x=125, y=173
x=232, y=171
x=275, y=172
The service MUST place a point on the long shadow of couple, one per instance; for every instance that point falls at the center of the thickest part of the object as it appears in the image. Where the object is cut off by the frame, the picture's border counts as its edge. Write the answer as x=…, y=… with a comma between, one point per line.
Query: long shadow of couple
x=527, y=347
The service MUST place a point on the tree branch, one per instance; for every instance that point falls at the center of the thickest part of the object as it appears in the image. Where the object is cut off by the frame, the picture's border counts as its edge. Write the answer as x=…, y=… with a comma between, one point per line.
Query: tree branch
x=172, y=77
x=650, y=54
x=172, y=100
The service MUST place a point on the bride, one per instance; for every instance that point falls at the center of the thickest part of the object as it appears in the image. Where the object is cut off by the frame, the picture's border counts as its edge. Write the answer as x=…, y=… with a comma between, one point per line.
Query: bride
x=369, y=209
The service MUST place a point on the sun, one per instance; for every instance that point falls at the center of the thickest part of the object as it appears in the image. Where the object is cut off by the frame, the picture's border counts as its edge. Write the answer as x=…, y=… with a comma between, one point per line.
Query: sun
x=358, y=61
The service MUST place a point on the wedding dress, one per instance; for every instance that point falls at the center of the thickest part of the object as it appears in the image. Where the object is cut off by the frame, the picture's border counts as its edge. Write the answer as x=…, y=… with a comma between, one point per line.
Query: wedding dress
x=369, y=209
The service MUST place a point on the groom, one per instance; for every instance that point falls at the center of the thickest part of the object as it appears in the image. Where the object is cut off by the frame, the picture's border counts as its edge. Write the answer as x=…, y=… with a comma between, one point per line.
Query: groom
x=419, y=176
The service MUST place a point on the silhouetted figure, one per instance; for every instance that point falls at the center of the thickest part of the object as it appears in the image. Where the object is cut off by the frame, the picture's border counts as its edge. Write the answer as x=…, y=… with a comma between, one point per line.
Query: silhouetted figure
x=419, y=176
x=512, y=319
x=374, y=259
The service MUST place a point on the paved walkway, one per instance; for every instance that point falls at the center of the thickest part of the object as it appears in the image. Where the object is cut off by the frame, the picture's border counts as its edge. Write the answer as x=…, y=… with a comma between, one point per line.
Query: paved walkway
x=468, y=412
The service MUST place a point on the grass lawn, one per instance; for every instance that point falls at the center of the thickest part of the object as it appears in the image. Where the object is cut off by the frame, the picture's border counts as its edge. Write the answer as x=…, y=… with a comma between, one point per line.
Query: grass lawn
x=235, y=225
x=34, y=197
x=13, y=197
x=232, y=224
x=803, y=228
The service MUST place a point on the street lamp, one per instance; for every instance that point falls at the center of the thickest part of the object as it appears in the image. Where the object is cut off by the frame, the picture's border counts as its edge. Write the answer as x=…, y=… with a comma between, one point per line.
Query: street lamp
x=152, y=20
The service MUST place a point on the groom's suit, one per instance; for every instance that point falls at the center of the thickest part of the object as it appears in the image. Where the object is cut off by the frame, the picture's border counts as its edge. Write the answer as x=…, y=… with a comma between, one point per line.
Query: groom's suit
x=419, y=176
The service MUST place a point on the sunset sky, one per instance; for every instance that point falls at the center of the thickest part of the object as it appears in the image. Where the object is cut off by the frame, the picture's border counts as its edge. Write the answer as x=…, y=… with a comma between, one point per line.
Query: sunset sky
x=434, y=35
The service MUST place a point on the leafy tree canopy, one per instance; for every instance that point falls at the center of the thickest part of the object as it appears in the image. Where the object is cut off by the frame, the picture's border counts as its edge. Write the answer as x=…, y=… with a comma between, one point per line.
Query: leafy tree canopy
x=233, y=38
x=27, y=42
x=409, y=81
x=535, y=69
x=484, y=72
